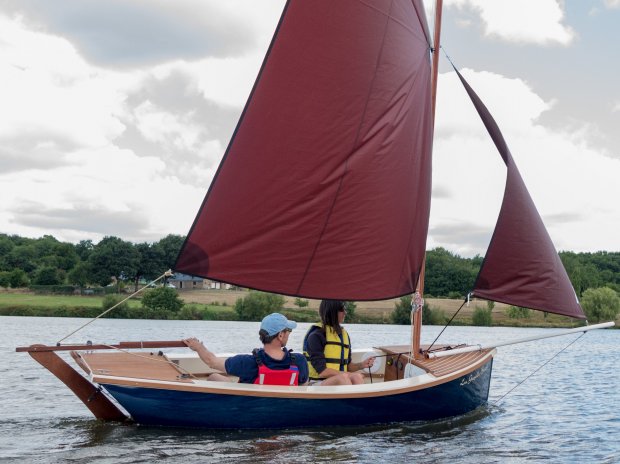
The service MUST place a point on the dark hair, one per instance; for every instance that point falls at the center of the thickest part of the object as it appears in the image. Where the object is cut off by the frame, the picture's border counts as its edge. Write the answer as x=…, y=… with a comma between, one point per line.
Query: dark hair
x=265, y=337
x=328, y=310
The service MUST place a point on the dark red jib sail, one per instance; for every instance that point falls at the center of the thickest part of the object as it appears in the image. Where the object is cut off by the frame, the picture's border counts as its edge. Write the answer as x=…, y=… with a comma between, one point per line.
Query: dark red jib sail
x=324, y=190
x=521, y=266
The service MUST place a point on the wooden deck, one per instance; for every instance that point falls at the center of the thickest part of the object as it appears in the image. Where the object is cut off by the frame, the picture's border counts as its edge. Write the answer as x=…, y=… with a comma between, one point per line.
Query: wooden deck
x=438, y=367
x=139, y=365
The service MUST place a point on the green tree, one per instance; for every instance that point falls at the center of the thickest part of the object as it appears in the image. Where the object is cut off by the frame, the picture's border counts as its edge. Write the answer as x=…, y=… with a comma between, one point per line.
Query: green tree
x=191, y=313
x=83, y=249
x=65, y=255
x=18, y=278
x=482, y=317
x=162, y=299
x=301, y=303
x=592, y=270
x=600, y=304
x=49, y=252
x=5, y=279
x=113, y=257
x=6, y=245
x=47, y=275
x=432, y=316
x=22, y=257
x=449, y=274
x=156, y=258
x=169, y=247
x=79, y=275
x=151, y=262
x=120, y=311
x=402, y=311
x=257, y=305
x=518, y=312
x=350, y=307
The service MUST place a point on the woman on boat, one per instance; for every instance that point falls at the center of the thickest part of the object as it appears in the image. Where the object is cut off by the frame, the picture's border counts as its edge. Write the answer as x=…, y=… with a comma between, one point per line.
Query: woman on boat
x=328, y=348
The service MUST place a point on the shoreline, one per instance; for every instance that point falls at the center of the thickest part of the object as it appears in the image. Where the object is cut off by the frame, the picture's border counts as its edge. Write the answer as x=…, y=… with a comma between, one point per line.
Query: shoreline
x=219, y=305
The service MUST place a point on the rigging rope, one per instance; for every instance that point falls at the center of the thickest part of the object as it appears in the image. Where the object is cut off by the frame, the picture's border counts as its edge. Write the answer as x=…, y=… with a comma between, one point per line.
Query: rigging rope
x=168, y=273
x=417, y=303
x=446, y=326
x=537, y=369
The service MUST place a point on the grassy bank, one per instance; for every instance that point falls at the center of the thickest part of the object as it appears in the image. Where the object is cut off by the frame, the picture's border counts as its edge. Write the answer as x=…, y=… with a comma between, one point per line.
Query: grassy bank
x=219, y=304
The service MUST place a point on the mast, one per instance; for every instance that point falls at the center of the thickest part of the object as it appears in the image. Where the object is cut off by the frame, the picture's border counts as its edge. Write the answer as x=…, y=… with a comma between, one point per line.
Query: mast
x=417, y=313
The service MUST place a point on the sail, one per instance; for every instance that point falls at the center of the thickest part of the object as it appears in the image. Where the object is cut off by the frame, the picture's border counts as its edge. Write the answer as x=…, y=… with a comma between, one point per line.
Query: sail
x=521, y=267
x=324, y=189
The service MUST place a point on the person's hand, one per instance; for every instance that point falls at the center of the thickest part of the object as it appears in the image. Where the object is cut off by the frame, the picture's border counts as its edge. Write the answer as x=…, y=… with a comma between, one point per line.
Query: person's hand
x=193, y=343
x=366, y=363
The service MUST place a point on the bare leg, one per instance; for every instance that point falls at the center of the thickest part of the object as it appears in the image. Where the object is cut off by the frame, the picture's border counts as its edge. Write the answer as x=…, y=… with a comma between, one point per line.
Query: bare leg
x=218, y=378
x=340, y=379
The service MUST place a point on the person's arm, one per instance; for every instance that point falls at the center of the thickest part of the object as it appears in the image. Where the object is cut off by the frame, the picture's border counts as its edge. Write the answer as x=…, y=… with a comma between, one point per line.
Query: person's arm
x=209, y=358
x=365, y=364
x=304, y=374
x=315, y=348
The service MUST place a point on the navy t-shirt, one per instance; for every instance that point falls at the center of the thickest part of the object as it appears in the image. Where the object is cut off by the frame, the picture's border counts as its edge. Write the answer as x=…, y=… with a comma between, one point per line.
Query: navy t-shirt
x=244, y=366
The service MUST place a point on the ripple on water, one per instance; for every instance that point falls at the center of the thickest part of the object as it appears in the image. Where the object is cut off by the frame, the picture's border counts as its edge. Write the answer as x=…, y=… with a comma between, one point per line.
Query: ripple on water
x=564, y=413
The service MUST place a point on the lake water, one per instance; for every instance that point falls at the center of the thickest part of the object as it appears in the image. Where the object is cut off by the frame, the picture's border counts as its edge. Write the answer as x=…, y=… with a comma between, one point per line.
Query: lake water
x=569, y=411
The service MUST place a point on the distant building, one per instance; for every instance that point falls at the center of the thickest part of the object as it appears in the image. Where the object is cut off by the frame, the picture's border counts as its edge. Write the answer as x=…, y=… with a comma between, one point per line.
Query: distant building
x=214, y=285
x=187, y=282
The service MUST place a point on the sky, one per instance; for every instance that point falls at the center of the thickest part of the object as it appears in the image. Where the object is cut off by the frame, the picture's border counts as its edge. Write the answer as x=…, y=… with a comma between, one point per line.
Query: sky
x=114, y=114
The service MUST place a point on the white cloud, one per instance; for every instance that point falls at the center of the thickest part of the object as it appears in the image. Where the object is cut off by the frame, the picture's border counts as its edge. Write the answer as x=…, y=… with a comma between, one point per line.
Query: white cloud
x=612, y=3
x=52, y=92
x=129, y=196
x=525, y=21
x=61, y=167
x=133, y=33
x=63, y=170
x=86, y=152
x=573, y=186
x=160, y=126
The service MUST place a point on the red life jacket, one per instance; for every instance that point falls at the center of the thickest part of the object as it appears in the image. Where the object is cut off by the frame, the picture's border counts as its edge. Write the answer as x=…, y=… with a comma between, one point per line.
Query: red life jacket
x=267, y=376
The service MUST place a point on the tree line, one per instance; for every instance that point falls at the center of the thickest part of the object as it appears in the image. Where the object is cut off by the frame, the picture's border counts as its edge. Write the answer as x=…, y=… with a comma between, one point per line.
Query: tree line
x=46, y=261
x=449, y=275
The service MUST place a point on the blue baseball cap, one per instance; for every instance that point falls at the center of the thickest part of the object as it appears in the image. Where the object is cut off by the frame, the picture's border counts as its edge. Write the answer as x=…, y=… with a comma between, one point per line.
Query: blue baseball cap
x=276, y=322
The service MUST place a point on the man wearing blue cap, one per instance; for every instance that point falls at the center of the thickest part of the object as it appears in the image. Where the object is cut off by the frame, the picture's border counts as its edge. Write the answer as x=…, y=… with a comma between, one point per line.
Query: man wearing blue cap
x=271, y=365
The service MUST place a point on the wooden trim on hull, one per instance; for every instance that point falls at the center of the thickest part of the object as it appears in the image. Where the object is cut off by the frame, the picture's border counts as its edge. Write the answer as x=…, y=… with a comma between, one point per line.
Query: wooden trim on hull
x=92, y=397
x=310, y=392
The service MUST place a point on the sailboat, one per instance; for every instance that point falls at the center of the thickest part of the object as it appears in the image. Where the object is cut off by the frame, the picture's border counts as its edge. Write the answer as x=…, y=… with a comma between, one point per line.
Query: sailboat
x=324, y=192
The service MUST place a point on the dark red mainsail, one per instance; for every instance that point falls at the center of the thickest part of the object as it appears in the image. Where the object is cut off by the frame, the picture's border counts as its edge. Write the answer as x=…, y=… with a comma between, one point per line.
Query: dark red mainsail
x=324, y=190
x=521, y=266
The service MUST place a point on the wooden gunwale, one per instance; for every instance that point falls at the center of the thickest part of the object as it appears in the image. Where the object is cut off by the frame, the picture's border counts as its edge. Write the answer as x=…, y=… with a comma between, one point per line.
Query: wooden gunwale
x=88, y=347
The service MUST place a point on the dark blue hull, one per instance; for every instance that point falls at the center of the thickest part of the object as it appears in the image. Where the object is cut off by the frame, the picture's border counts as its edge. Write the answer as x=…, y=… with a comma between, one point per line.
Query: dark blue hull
x=150, y=406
